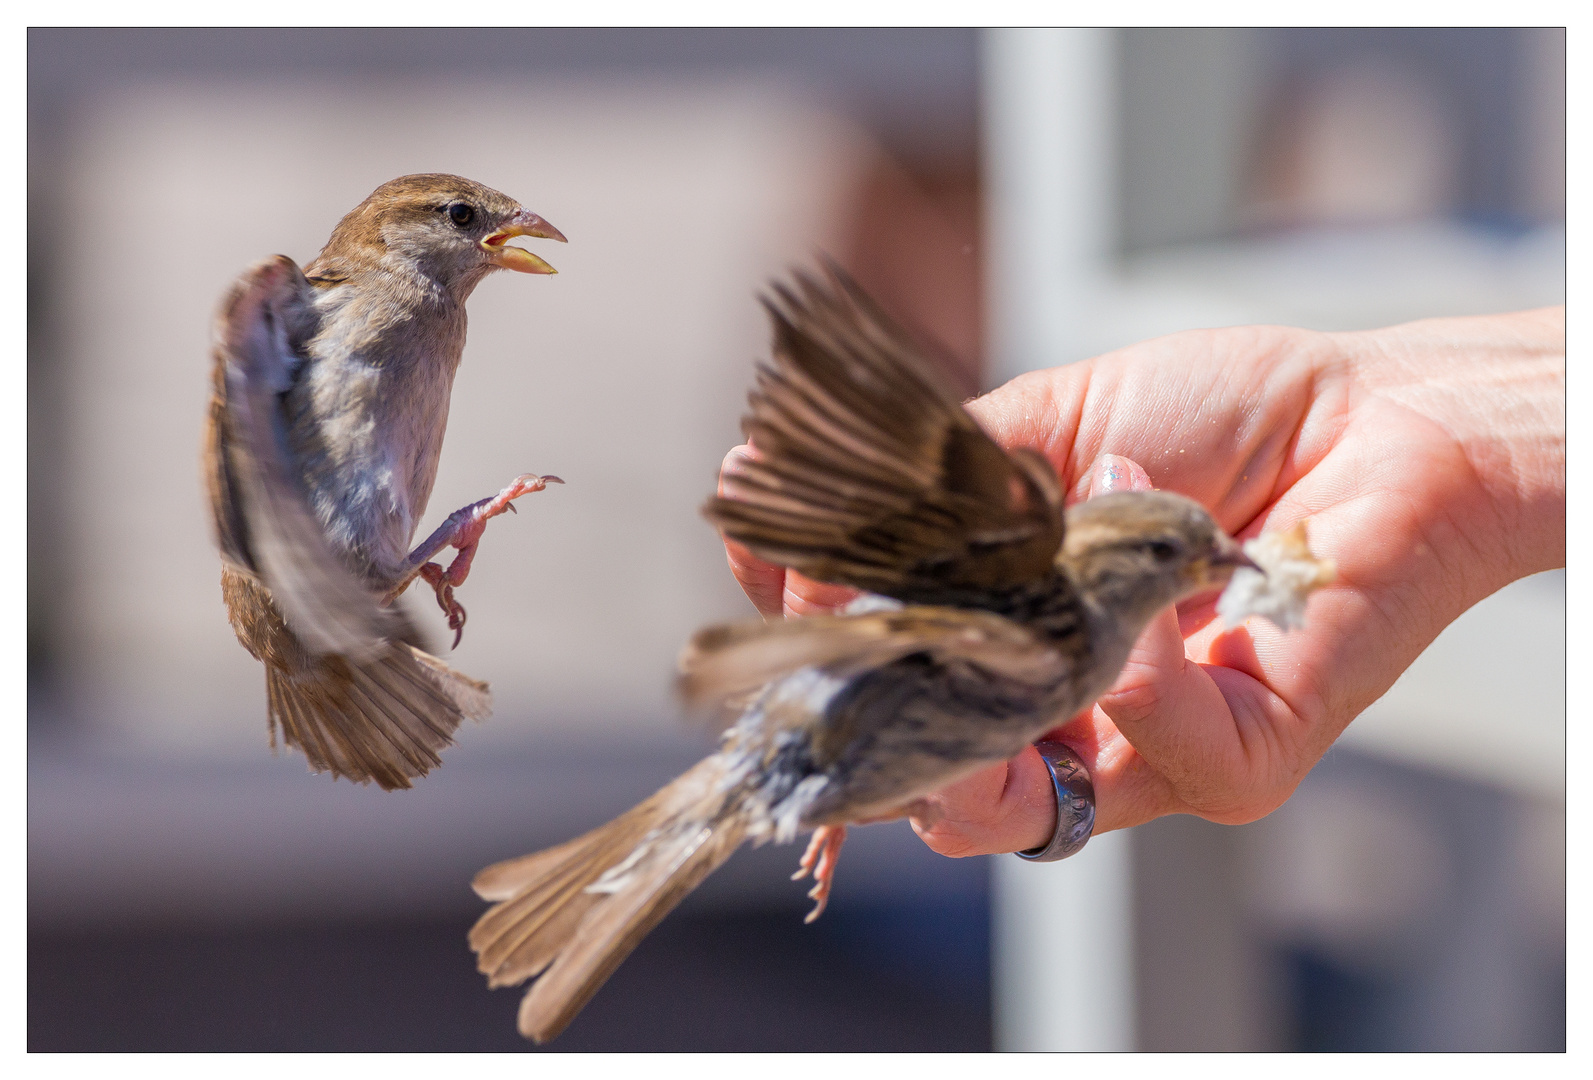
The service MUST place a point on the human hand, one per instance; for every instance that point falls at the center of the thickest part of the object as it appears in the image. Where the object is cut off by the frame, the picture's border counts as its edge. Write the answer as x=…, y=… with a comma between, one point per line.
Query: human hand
x=1429, y=459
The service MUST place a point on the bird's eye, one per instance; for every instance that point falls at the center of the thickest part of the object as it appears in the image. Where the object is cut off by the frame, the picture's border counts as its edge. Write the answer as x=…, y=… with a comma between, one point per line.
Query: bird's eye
x=461, y=214
x=1163, y=551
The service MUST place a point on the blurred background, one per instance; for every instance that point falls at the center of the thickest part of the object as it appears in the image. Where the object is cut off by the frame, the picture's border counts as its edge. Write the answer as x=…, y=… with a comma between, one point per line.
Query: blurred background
x=1027, y=198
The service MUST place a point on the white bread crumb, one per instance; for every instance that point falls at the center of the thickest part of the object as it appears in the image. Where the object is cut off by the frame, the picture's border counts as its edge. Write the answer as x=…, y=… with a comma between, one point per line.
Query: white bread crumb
x=1292, y=574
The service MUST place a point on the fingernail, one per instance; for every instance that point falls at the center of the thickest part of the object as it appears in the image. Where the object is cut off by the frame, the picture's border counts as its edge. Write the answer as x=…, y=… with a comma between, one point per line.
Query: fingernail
x=1107, y=475
x=1113, y=472
x=735, y=461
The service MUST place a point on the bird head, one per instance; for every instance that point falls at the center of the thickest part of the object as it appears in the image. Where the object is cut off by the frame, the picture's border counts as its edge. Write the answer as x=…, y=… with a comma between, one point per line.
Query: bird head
x=1139, y=551
x=451, y=230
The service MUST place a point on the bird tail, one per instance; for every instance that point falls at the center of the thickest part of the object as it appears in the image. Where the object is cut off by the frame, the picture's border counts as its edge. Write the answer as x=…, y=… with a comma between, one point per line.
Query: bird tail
x=385, y=719
x=572, y=913
x=381, y=718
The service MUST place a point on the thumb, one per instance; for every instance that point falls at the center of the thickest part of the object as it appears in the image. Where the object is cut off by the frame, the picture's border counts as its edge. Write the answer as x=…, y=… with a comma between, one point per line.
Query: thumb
x=1157, y=660
x=1164, y=704
x=1158, y=655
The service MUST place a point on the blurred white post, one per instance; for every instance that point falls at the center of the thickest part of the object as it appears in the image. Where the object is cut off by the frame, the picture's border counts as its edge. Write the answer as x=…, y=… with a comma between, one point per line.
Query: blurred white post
x=1063, y=934
x=1049, y=119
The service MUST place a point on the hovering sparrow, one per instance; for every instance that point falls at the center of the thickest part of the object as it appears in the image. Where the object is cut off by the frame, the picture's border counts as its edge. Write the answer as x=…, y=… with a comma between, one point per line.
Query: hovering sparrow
x=330, y=397
x=1000, y=623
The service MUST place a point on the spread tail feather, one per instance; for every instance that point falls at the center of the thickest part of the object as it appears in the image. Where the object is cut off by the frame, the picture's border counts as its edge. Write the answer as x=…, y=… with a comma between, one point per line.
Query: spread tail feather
x=384, y=719
x=577, y=910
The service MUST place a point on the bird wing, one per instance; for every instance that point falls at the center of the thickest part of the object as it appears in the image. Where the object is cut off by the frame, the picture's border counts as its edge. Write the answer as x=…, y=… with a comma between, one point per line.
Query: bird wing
x=869, y=472
x=263, y=520
x=722, y=662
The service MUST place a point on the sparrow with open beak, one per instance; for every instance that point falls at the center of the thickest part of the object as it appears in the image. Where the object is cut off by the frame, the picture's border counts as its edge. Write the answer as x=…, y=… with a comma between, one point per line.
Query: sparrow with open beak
x=330, y=398
x=990, y=623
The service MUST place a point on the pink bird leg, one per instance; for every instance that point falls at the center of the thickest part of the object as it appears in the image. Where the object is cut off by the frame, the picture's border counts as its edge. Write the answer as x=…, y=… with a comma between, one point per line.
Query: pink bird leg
x=823, y=851
x=463, y=531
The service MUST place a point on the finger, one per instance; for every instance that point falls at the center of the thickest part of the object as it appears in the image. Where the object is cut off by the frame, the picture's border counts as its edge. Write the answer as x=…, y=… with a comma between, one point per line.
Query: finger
x=1006, y=807
x=733, y=465
x=763, y=582
x=1218, y=738
x=1128, y=791
x=1039, y=409
x=804, y=596
x=1167, y=707
x=1172, y=715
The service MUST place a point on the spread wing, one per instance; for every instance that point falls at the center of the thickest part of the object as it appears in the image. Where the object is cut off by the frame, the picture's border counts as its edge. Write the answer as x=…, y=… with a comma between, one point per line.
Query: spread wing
x=723, y=662
x=868, y=470
x=263, y=521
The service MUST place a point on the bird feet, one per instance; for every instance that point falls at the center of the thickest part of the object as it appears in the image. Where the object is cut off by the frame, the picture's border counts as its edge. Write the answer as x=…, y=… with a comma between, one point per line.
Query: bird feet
x=820, y=858
x=437, y=578
x=463, y=531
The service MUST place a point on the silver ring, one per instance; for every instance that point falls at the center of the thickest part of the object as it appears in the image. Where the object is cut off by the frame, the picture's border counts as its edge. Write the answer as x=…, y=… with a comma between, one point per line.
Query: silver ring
x=1075, y=804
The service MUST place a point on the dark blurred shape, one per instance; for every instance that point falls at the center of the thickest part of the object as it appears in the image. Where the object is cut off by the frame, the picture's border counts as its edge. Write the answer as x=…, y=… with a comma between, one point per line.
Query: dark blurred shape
x=898, y=979
x=256, y=907
x=1383, y=908
x=1335, y=1009
x=1482, y=83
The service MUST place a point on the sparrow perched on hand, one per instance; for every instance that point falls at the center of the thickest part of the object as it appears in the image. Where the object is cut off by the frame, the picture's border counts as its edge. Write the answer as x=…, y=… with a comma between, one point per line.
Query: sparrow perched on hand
x=330, y=398
x=990, y=624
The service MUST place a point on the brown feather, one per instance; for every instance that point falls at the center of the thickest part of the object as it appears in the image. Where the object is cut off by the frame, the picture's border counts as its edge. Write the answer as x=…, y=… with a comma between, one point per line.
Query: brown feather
x=725, y=661
x=869, y=472
x=551, y=922
x=329, y=396
x=346, y=682
x=384, y=720
x=610, y=931
x=263, y=518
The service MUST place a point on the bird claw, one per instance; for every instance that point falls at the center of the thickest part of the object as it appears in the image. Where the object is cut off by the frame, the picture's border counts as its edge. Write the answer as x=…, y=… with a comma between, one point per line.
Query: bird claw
x=437, y=577
x=824, y=849
x=462, y=531
x=524, y=484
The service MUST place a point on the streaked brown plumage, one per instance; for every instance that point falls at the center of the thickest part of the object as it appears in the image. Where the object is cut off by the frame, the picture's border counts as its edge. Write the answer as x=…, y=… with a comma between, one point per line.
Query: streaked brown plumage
x=998, y=625
x=330, y=398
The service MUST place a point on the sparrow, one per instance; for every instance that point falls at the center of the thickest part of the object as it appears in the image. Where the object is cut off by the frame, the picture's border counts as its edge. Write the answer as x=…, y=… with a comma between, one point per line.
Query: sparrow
x=330, y=388
x=989, y=615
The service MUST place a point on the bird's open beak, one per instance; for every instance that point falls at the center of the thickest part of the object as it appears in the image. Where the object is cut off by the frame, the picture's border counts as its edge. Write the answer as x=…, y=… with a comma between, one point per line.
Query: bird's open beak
x=525, y=223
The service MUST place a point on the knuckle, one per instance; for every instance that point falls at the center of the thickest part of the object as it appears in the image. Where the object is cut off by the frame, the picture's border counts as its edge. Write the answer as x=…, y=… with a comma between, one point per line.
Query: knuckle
x=1133, y=701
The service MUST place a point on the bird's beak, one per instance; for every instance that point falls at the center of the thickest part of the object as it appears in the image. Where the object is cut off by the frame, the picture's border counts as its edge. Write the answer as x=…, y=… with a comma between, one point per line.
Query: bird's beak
x=524, y=223
x=1214, y=571
x=1231, y=553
